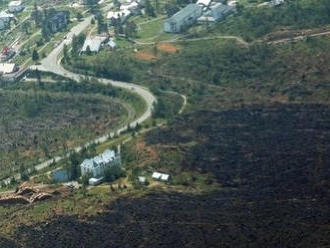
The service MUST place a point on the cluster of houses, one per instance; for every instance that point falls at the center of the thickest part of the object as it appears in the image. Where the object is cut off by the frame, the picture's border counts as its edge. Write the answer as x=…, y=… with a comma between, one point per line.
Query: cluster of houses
x=7, y=15
x=204, y=11
x=127, y=8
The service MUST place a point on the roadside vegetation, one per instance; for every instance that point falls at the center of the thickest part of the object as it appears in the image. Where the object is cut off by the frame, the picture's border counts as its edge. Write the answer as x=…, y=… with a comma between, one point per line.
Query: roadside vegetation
x=43, y=119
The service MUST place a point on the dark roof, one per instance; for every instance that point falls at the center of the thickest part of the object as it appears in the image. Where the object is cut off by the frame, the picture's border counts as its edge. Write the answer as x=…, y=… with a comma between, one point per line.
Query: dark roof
x=60, y=15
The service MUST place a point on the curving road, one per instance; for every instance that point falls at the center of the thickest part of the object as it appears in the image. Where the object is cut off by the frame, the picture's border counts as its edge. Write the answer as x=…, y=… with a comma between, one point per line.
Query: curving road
x=51, y=64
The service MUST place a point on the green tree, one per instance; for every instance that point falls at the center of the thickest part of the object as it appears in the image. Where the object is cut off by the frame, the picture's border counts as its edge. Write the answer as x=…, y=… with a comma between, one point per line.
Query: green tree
x=88, y=50
x=23, y=173
x=35, y=15
x=101, y=25
x=66, y=57
x=150, y=11
x=112, y=173
x=79, y=16
x=35, y=55
x=131, y=29
x=26, y=27
x=85, y=178
x=73, y=167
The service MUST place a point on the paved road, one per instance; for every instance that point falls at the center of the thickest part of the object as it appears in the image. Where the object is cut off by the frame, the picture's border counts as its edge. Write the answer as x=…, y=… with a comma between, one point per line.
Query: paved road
x=51, y=64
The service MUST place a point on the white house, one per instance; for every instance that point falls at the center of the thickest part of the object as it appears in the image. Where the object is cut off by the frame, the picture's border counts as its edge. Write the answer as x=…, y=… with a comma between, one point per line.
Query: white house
x=15, y=6
x=275, y=3
x=8, y=68
x=216, y=13
x=4, y=19
x=183, y=19
x=97, y=165
x=94, y=43
x=204, y=2
x=133, y=7
x=160, y=176
x=121, y=15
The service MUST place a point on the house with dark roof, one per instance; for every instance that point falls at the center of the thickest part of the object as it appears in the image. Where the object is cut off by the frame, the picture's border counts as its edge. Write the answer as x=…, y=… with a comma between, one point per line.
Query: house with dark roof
x=183, y=19
x=59, y=21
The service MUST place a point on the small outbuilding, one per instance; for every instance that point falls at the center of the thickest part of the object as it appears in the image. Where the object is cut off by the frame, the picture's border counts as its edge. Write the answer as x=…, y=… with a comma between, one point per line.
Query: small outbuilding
x=95, y=181
x=142, y=179
x=160, y=176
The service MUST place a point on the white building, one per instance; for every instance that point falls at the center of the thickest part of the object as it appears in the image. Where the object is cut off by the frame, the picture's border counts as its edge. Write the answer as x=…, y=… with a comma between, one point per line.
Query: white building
x=142, y=179
x=121, y=15
x=216, y=13
x=160, y=176
x=275, y=3
x=133, y=7
x=15, y=6
x=97, y=165
x=95, y=181
x=8, y=68
x=183, y=19
x=94, y=44
x=6, y=17
x=204, y=2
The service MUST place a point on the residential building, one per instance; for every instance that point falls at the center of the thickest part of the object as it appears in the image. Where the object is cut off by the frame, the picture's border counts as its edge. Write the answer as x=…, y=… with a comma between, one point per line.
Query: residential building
x=183, y=19
x=142, y=179
x=216, y=13
x=5, y=19
x=97, y=165
x=204, y=2
x=121, y=15
x=275, y=3
x=8, y=68
x=160, y=176
x=59, y=21
x=133, y=7
x=15, y=6
x=94, y=44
